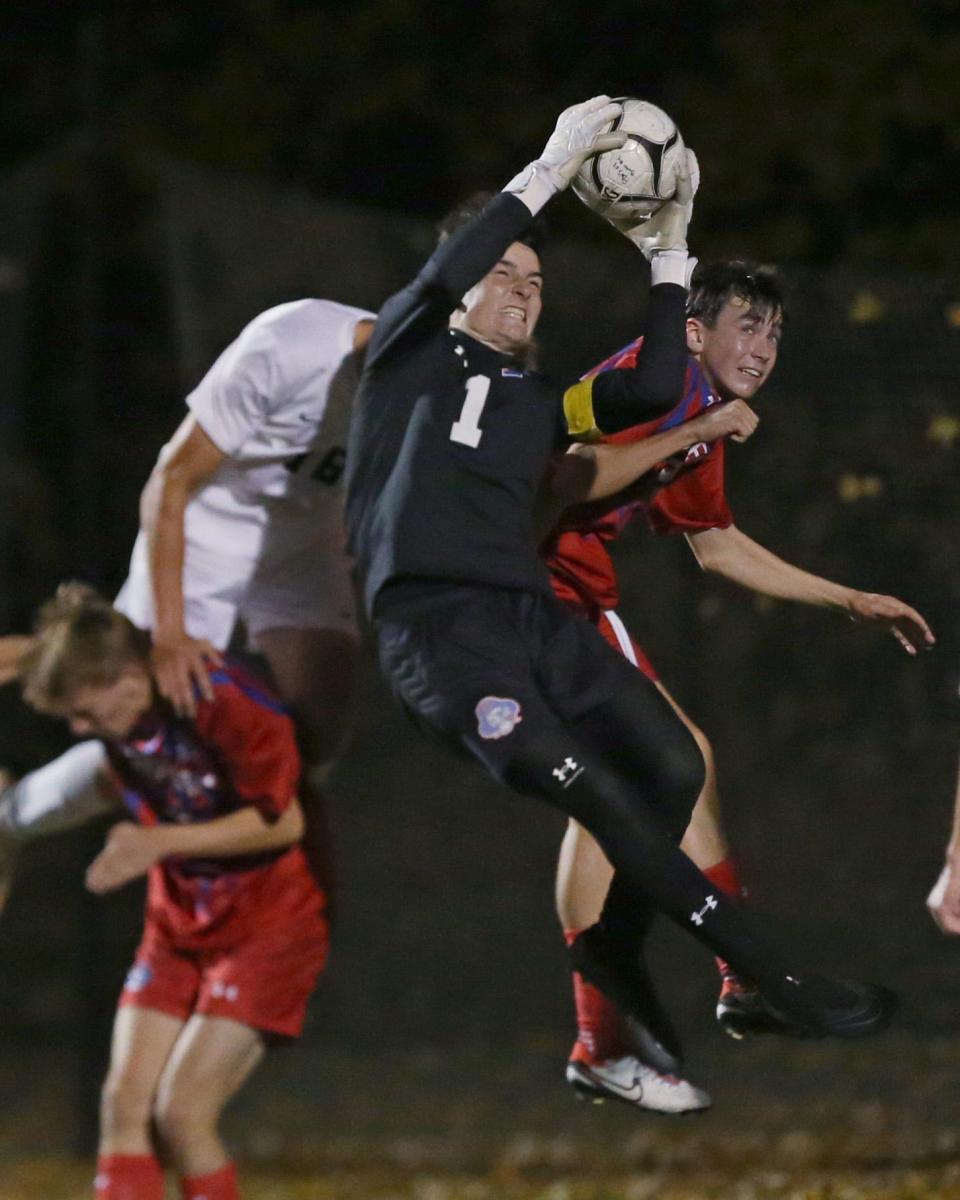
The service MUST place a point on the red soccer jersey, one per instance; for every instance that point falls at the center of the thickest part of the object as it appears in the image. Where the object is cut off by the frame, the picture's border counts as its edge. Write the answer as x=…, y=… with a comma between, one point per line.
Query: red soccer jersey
x=239, y=751
x=686, y=493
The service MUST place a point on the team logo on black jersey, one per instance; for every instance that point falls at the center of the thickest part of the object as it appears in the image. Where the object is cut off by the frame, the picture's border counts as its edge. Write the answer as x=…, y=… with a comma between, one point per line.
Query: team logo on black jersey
x=497, y=716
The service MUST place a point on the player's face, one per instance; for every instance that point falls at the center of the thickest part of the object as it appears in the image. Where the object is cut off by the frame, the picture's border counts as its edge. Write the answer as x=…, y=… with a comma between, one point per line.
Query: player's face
x=739, y=350
x=504, y=307
x=113, y=710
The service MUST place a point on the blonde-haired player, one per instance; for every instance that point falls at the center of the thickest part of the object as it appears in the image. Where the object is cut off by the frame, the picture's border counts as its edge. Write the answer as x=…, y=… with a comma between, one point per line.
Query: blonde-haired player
x=241, y=529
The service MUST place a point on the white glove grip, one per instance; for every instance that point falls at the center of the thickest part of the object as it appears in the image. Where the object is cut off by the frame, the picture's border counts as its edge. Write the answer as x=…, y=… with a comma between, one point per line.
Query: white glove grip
x=671, y=266
x=535, y=185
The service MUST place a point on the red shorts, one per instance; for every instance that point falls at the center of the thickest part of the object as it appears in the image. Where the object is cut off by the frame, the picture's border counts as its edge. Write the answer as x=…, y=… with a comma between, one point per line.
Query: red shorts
x=615, y=632
x=264, y=981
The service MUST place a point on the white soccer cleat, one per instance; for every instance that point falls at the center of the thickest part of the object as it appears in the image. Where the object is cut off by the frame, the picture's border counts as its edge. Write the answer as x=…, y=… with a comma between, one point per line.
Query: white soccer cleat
x=629, y=1080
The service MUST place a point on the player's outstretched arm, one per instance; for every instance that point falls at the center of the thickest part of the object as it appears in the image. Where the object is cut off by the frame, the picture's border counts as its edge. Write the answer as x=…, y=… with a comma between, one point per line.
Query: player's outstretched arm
x=131, y=850
x=179, y=661
x=944, y=899
x=615, y=400
x=731, y=553
x=905, y=623
x=593, y=471
x=581, y=132
x=462, y=259
x=66, y=793
x=69, y=791
x=12, y=648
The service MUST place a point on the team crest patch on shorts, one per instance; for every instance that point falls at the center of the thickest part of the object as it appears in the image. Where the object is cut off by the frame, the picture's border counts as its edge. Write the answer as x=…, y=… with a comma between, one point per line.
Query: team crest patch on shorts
x=137, y=978
x=497, y=716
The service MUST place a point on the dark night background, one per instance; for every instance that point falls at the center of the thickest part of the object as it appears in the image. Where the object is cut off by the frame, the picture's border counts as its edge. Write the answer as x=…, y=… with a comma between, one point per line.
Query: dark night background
x=171, y=169
x=827, y=131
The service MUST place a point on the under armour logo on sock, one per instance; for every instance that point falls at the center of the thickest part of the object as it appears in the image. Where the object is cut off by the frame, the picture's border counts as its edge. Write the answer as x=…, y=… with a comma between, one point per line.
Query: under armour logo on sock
x=697, y=917
x=568, y=772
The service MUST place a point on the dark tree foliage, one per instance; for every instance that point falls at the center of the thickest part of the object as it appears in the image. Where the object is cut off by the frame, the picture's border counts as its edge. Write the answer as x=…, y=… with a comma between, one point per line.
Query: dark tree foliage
x=827, y=131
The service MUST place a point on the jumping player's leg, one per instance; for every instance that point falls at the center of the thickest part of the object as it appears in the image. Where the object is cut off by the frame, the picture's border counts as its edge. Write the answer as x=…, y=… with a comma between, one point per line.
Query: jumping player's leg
x=638, y=813
x=299, y=609
x=583, y=880
x=254, y=992
x=127, y=1166
x=300, y=612
x=583, y=876
x=316, y=672
x=494, y=671
x=583, y=873
x=651, y=872
x=607, y=1046
x=210, y=1061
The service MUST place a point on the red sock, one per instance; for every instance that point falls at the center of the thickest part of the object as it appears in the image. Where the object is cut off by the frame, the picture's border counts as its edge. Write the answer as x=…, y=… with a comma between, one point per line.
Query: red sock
x=218, y=1185
x=726, y=877
x=128, y=1177
x=601, y=1030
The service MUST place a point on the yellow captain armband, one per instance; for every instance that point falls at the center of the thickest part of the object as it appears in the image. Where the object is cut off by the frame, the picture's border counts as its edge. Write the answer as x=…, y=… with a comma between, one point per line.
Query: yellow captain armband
x=578, y=409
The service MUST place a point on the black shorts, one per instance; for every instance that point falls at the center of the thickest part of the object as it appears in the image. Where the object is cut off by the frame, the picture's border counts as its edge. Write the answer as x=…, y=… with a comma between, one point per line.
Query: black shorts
x=473, y=664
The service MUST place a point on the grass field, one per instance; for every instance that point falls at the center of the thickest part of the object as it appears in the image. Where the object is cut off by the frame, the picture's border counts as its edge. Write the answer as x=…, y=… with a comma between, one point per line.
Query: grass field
x=791, y=1121
x=68, y=1180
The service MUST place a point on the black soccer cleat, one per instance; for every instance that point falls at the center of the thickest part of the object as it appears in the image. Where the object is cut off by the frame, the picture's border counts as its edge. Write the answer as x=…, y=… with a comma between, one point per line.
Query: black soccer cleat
x=623, y=978
x=741, y=1012
x=814, y=1006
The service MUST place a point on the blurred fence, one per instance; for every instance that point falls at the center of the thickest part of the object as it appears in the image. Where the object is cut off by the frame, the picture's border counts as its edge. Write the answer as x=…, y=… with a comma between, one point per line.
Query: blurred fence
x=837, y=753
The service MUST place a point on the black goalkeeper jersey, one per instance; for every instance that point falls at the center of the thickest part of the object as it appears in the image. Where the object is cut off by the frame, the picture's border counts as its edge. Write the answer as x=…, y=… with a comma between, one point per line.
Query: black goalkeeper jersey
x=451, y=441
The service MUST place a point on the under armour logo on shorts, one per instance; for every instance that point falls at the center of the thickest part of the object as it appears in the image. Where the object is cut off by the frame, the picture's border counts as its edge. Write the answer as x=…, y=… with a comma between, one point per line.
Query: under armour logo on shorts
x=497, y=716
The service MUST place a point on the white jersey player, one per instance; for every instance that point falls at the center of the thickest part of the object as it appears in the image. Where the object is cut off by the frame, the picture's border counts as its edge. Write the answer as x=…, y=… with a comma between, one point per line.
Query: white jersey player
x=241, y=522
x=251, y=485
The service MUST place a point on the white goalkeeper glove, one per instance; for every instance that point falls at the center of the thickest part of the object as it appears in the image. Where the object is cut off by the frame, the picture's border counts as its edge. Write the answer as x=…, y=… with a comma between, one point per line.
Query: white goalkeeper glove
x=662, y=237
x=580, y=133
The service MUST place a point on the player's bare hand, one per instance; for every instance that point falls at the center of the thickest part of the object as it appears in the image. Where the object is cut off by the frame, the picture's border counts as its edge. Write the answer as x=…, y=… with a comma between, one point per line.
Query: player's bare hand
x=12, y=648
x=735, y=419
x=181, y=667
x=130, y=851
x=944, y=900
x=904, y=622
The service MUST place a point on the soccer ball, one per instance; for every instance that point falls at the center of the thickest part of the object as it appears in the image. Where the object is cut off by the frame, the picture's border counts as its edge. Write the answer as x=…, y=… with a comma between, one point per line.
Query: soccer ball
x=633, y=182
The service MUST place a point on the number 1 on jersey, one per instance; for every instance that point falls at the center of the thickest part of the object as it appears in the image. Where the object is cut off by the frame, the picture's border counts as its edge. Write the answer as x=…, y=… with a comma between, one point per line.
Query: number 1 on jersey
x=466, y=429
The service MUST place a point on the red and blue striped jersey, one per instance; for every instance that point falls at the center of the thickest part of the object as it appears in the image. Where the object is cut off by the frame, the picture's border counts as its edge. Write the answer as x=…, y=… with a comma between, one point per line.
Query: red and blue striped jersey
x=238, y=752
x=685, y=493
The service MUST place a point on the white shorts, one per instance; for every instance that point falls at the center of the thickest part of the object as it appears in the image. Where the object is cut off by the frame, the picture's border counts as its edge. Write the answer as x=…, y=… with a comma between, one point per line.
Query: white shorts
x=283, y=578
